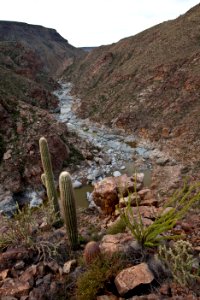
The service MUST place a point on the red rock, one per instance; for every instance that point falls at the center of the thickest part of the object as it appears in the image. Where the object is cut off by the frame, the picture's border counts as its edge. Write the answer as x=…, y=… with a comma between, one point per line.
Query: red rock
x=150, y=202
x=145, y=194
x=14, y=287
x=149, y=212
x=132, y=277
x=3, y=274
x=115, y=243
x=28, y=275
x=105, y=194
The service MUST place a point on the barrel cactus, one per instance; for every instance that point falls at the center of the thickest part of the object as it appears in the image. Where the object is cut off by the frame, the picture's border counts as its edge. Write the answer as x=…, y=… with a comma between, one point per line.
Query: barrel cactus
x=91, y=252
x=69, y=208
x=48, y=177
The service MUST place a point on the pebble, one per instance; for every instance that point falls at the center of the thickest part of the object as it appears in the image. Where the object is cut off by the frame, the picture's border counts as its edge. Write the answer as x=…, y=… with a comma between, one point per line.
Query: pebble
x=116, y=174
x=77, y=184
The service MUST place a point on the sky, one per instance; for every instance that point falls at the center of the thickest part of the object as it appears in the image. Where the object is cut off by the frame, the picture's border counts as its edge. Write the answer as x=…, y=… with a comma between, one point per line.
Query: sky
x=94, y=22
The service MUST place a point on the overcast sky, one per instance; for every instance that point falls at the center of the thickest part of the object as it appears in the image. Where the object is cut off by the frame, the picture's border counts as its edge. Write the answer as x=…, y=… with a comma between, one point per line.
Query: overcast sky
x=94, y=22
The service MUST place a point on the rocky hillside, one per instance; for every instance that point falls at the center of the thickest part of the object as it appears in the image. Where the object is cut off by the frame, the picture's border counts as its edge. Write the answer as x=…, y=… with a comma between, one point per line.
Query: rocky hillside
x=54, y=51
x=25, y=102
x=148, y=84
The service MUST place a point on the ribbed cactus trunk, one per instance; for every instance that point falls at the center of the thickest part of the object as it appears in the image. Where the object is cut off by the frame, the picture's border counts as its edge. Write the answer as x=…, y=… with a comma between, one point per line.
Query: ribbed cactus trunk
x=48, y=177
x=69, y=208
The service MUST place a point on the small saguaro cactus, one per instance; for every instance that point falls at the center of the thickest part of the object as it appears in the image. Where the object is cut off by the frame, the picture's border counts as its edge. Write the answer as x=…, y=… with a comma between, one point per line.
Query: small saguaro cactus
x=69, y=208
x=91, y=252
x=47, y=177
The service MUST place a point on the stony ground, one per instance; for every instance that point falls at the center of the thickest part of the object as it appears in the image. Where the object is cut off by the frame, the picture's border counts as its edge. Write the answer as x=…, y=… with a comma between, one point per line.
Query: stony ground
x=35, y=261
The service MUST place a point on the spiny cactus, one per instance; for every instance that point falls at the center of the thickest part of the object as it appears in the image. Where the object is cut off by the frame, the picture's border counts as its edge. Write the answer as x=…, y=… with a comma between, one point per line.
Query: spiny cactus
x=91, y=252
x=180, y=260
x=69, y=208
x=48, y=173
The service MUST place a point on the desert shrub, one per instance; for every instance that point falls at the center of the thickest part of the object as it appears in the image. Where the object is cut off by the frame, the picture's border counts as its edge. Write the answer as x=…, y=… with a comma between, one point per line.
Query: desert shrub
x=22, y=229
x=174, y=210
x=18, y=230
x=180, y=261
x=97, y=276
x=118, y=227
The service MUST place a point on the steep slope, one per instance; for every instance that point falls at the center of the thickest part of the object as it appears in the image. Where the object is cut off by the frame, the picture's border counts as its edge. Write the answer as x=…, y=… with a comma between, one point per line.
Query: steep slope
x=148, y=84
x=25, y=102
x=55, y=52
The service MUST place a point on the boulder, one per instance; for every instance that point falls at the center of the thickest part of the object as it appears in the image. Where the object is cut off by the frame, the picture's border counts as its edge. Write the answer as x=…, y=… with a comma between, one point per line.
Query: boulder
x=105, y=195
x=120, y=242
x=107, y=192
x=132, y=277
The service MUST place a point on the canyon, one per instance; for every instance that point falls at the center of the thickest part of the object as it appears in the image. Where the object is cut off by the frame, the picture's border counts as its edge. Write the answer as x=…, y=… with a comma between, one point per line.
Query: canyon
x=107, y=113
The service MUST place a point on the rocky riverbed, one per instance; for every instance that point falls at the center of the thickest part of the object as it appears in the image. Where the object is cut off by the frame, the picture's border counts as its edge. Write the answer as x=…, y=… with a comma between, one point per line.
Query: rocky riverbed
x=115, y=152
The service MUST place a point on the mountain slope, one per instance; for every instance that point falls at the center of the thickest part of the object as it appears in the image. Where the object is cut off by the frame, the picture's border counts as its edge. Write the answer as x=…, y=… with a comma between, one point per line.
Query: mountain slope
x=25, y=102
x=55, y=52
x=148, y=84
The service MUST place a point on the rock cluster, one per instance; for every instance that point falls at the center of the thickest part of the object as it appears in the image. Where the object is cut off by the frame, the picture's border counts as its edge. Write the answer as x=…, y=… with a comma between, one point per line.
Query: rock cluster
x=112, y=191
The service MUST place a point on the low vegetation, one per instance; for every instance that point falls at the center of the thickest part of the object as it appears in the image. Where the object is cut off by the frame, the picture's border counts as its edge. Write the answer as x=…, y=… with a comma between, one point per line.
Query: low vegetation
x=180, y=260
x=99, y=275
x=174, y=210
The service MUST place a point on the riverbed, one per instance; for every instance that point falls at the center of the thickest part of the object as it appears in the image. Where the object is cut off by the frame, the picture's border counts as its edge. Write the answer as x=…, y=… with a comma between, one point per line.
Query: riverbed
x=118, y=153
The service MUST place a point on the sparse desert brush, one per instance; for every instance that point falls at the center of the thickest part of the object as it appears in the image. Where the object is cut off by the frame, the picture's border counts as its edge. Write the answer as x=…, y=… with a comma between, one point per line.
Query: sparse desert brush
x=23, y=230
x=18, y=230
x=180, y=260
x=118, y=227
x=99, y=273
x=175, y=209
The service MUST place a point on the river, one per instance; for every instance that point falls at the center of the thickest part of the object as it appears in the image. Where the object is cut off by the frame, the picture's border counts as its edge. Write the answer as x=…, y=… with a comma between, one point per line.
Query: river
x=119, y=149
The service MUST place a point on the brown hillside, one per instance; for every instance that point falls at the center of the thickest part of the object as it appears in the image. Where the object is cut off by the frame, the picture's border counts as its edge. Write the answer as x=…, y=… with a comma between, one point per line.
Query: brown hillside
x=55, y=52
x=148, y=84
x=25, y=101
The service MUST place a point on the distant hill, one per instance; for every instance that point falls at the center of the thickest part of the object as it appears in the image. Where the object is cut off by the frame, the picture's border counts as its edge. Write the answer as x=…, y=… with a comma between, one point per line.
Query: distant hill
x=55, y=52
x=148, y=84
x=29, y=56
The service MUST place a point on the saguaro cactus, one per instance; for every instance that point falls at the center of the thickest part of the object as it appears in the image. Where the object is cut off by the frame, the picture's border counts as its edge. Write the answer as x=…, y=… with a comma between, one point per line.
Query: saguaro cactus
x=91, y=252
x=69, y=208
x=48, y=174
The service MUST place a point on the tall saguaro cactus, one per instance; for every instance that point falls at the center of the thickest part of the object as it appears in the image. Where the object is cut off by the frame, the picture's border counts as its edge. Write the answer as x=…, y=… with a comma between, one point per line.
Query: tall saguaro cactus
x=69, y=208
x=48, y=174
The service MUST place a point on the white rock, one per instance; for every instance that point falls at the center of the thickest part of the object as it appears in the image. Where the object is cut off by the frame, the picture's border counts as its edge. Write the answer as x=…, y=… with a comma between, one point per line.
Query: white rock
x=35, y=202
x=116, y=174
x=7, y=155
x=68, y=265
x=77, y=184
x=122, y=168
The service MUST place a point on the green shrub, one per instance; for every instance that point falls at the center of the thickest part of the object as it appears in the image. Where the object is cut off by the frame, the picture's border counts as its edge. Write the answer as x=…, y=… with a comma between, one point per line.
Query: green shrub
x=152, y=235
x=101, y=272
x=118, y=227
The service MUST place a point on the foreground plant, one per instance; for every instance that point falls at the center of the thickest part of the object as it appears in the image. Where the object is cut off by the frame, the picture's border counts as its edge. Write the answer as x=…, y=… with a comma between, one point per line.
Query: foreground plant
x=18, y=230
x=99, y=273
x=48, y=178
x=174, y=210
x=69, y=208
x=180, y=261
